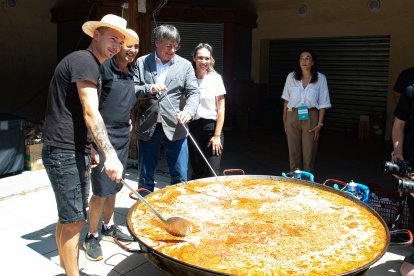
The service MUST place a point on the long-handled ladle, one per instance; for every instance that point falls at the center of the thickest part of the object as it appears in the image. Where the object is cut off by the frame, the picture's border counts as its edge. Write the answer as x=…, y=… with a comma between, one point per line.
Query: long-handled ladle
x=176, y=226
x=198, y=148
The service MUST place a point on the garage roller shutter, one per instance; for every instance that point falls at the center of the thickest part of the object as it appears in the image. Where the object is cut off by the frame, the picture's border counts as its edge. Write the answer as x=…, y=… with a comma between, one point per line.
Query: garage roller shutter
x=356, y=69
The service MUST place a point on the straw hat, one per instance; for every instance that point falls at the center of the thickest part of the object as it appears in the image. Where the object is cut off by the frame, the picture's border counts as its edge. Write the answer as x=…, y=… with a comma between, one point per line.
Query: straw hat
x=112, y=21
x=134, y=34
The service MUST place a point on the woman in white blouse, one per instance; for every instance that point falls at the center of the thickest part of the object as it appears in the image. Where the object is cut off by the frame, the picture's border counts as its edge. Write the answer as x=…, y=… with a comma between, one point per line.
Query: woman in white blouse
x=306, y=98
x=208, y=123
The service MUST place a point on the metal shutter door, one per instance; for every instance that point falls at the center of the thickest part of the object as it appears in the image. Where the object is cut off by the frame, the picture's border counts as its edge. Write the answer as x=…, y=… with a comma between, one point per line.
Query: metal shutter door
x=356, y=69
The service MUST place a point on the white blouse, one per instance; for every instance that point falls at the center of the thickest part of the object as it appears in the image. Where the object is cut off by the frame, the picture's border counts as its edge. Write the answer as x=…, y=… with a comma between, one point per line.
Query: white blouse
x=314, y=95
x=210, y=87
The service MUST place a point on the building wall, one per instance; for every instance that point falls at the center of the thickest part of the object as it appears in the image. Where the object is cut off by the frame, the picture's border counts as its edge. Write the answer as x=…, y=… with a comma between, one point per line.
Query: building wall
x=28, y=57
x=29, y=51
x=279, y=19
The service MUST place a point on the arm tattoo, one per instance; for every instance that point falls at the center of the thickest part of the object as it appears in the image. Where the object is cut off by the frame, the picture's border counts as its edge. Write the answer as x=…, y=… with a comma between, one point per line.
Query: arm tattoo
x=100, y=136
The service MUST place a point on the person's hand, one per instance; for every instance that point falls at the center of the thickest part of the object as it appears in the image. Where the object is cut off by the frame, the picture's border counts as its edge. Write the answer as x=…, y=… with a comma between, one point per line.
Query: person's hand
x=183, y=117
x=316, y=130
x=216, y=146
x=396, y=156
x=113, y=167
x=157, y=88
x=94, y=158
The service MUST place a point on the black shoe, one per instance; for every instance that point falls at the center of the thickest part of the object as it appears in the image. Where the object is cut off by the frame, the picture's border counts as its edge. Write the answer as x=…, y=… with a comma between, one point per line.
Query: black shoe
x=92, y=248
x=82, y=273
x=115, y=232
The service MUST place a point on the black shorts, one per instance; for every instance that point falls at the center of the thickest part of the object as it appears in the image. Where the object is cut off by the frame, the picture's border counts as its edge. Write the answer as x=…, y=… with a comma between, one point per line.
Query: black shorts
x=102, y=185
x=410, y=258
x=68, y=171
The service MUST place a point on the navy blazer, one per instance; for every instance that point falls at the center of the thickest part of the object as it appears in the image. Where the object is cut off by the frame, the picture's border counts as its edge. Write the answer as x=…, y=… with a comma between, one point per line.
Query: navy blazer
x=182, y=91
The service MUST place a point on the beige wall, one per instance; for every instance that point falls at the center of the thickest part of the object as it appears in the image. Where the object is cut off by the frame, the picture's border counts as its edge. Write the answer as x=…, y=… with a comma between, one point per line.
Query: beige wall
x=279, y=19
x=28, y=57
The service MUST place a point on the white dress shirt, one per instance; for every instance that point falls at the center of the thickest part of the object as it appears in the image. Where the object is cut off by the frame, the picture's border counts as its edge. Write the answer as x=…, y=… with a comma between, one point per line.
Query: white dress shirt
x=162, y=71
x=314, y=95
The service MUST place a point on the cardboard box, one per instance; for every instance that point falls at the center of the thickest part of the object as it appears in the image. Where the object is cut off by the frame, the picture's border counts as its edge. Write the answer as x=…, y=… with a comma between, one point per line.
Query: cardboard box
x=33, y=156
x=377, y=126
x=364, y=127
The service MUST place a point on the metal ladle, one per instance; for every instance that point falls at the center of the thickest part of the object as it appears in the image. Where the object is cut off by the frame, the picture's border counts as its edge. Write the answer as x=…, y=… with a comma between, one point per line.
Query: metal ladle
x=176, y=226
x=198, y=148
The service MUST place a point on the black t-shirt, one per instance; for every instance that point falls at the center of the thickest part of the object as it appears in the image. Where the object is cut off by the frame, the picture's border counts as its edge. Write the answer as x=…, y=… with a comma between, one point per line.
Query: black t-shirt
x=405, y=78
x=403, y=112
x=403, y=109
x=64, y=123
x=117, y=98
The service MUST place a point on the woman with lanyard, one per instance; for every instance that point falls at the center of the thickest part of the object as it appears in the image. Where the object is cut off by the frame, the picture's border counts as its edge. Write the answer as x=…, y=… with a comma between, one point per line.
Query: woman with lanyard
x=209, y=120
x=306, y=98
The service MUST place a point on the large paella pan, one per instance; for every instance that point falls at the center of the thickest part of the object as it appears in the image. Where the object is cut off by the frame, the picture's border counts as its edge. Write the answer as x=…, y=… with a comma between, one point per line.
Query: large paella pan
x=269, y=226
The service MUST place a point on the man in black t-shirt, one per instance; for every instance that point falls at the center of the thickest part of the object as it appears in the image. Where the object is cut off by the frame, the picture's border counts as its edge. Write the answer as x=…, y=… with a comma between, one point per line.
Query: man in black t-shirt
x=403, y=131
x=116, y=102
x=72, y=119
x=405, y=78
x=403, y=141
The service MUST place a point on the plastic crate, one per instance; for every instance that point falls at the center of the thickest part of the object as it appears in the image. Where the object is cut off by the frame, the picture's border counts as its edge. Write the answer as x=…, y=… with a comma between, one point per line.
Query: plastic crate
x=388, y=207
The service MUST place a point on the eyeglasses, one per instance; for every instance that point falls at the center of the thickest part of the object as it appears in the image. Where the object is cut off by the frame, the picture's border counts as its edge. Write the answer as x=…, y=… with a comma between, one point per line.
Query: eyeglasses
x=169, y=47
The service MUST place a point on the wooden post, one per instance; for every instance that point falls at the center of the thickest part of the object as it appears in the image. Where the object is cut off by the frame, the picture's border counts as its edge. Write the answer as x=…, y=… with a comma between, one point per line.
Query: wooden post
x=133, y=14
x=144, y=27
x=141, y=23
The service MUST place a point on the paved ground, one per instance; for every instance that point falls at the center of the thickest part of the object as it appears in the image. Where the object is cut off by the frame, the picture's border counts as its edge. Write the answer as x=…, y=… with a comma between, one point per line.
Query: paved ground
x=28, y=210
x=28, y=232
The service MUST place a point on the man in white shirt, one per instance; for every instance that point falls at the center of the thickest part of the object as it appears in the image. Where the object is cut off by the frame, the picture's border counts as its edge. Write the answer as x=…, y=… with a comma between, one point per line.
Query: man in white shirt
x=164, y=79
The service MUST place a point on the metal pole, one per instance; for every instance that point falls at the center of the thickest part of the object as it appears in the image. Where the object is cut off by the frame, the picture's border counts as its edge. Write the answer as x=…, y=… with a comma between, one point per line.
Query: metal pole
x=198, y=148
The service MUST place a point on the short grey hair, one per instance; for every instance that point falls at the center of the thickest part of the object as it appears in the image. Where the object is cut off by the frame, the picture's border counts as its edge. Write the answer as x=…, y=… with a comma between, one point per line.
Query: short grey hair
x=166, y=32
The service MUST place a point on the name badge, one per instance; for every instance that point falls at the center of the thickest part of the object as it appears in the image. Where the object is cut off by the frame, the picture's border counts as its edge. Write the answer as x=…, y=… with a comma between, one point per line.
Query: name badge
x=303, y=113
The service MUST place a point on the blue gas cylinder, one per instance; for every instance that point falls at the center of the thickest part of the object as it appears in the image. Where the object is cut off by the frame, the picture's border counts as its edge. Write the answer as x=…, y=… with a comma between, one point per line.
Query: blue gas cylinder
x=298, y=174
x=357, y=190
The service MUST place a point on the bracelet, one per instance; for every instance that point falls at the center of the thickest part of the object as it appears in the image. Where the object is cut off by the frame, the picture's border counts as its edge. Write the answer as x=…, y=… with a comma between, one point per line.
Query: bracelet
x=320, y=124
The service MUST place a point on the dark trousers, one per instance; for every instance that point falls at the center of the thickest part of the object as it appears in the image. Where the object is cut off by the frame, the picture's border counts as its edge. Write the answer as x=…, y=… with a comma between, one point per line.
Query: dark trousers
x=202, y=131
x=149, y=155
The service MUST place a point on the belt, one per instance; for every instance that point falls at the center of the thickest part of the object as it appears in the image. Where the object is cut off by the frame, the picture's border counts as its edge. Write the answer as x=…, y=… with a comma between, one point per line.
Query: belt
x=312, y=108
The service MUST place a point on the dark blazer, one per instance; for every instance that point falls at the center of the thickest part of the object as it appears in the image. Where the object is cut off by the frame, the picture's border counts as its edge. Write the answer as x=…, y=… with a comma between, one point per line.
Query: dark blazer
x=182, y=91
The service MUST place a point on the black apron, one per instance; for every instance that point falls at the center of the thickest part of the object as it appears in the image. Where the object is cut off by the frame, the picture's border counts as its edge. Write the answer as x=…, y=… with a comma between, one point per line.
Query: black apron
x=115, y=107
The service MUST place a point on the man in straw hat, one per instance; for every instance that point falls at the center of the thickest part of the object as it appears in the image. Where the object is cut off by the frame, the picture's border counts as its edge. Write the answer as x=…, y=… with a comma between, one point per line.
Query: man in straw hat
x=72, y=120
x=116, y=102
